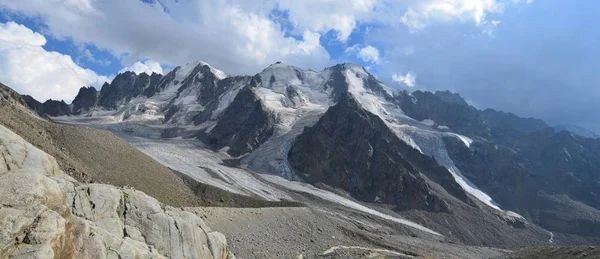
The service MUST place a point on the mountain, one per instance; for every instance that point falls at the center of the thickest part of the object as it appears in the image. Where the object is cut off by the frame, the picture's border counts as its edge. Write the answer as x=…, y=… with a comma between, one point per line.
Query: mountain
x=88, y=160
x=33, y=104
x=84, y=100
x=579, y=131
x=480, y=177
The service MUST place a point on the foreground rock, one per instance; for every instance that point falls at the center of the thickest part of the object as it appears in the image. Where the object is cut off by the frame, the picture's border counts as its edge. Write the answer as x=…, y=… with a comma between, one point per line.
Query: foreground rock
x=44, y=213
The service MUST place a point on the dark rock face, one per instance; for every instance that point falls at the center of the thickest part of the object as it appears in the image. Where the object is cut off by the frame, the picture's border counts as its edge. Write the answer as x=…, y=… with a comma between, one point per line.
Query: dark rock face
x=460, y=118
x=159, y=82
x=505, y=121
x=85, y=100
x=552, y=179
x=244, y=125
x=353, y=149
x=126, y=86
x=450, y=97
x=579, y=131
x=33, y=104
x=56, y=108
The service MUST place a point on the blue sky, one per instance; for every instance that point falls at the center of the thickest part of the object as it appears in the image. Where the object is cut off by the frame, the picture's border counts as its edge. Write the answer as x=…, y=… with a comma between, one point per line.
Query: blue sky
x=533, y=58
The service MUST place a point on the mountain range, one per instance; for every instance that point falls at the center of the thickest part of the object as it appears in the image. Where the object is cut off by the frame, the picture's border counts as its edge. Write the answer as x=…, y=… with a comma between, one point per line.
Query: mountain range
x=476, y=177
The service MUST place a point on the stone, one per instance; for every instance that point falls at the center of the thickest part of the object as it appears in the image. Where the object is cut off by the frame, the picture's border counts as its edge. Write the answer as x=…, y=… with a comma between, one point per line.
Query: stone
x=44, y=213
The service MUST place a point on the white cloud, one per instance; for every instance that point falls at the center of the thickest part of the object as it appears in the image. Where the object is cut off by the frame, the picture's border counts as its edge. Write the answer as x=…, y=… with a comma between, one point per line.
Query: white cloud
x=147, y=67
x=29, y=69
x=341, y=16
x=369, y=54
x=409, y=79
x=423, y=13
x=236, y=36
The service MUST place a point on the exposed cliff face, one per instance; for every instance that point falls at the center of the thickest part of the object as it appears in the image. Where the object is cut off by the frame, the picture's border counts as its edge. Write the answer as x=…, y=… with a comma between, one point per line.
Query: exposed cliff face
x=354, y=150
x=244, y=126
x=502, y=121
x=124, y=87
x=85, y=100
x=453, y=114
x=49, y=107
x=56, y=108
x=551, y=178
x=33, y=104
x=46, y=214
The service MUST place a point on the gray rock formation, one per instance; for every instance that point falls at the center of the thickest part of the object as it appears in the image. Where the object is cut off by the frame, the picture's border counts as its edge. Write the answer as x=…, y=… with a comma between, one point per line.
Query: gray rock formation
x=56, y=108
x=574, y=129
x=245, y=125
x=33, y=104
x=46, y=214
x=85, y=100
x=506, y=121
x=353, y=149
x=126, y=86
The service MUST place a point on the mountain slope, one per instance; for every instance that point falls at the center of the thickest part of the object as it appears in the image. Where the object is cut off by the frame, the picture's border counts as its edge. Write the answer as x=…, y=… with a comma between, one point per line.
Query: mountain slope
x=352, y=149
x=436, y=141
x=84, y=154
x=577, y=131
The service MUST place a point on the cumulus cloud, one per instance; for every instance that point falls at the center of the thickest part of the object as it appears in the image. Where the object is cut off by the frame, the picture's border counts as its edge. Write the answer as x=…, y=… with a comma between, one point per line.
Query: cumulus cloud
x=29, y=69
x=342, y=16
x=236, y=36
x=409, y=79
x=425, y=12
x=147, y=67
x=367, y=53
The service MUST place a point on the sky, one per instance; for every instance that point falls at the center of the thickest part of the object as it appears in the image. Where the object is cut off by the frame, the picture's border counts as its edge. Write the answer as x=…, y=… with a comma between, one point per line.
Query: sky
x=535, y=58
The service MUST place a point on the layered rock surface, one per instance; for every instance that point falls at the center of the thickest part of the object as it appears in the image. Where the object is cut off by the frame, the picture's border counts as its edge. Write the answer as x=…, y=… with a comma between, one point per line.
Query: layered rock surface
x=44, y=213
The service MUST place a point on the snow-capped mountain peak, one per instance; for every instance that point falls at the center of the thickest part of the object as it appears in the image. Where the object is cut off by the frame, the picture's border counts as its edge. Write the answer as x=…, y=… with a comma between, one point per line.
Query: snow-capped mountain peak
x=185, y=70
x=274, y=106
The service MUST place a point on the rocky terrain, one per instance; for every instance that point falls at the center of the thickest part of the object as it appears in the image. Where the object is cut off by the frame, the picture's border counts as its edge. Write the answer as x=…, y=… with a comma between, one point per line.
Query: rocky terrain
x=359, y=233
x=386, y=172
x=91, y=155
x=44, y=213
x=577, y=252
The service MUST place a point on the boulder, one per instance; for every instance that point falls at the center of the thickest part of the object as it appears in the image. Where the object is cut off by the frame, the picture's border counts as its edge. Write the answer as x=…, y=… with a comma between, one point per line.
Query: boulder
x=45, y=213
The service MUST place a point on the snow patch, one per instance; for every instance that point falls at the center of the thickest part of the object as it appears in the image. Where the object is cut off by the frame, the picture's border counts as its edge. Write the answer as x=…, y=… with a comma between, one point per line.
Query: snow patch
x=328, y=196
x=428, y=122
x=383, y=251
x=466, y=140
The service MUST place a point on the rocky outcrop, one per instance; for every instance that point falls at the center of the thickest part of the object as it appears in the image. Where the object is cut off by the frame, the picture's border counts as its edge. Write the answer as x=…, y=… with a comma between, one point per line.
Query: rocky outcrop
x=353, y=149
x=85, y=100
x=46, y=214
x=126, y=86
x=552, y=179
x=33, y=104
x=56, y=108
x=503, y=121
x=450, y=97
x=243, y=126
x=576, y=130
